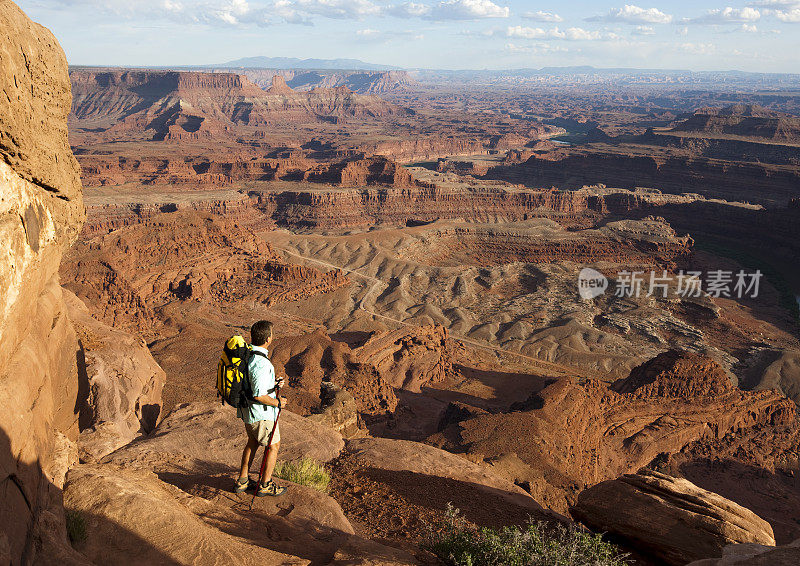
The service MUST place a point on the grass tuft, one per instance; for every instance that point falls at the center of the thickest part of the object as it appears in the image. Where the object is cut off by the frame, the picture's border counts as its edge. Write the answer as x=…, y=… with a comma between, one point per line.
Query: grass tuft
x=76, y=526
x=305, y=471
x=459, y=543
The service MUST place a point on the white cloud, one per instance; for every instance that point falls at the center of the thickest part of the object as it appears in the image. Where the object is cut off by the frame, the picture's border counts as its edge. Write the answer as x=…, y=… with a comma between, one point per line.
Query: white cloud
x=570, y=34
x=727, y=15
x=644, y=30
x=230, y=12
x=409, y=10
x=467, y=10
x=538, y=49
x=698, y=48
x=777, y=4
x=787, y=11
x=369, y=35
x=542, y=16
x=526, y=32
x=791, y=16
x=749, y=28
x=339, y=9
x=634, y=15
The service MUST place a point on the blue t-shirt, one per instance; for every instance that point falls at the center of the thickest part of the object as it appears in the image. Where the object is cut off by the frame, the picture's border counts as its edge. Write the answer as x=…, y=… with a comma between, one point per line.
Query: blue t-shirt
x=262, y=379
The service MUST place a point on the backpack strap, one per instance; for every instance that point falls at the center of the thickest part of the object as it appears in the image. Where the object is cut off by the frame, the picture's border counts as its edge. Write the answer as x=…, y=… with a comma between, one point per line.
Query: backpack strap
x=263, y=355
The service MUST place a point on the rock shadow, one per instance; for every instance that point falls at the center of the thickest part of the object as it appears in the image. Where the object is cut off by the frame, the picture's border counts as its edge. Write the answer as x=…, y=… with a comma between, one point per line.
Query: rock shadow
x=34, y=528
x=773, y=496
x=480, y=504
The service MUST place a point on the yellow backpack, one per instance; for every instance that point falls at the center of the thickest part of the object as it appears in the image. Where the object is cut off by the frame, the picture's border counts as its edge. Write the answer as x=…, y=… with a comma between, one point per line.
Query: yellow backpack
x=233, y=379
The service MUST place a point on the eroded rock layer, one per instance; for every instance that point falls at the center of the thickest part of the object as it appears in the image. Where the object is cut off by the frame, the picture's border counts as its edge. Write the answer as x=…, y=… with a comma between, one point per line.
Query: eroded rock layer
x=575, y=435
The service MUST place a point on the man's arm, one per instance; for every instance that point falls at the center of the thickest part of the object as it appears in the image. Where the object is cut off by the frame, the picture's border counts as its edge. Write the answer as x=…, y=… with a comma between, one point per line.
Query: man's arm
x=271, y=401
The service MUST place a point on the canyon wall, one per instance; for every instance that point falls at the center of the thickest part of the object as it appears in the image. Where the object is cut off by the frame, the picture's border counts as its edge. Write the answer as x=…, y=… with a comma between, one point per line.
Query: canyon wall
x=367, y=206
x=41, y=212
x=174, y=105
x=330, y=207
x=618, y=166
x=202, y=173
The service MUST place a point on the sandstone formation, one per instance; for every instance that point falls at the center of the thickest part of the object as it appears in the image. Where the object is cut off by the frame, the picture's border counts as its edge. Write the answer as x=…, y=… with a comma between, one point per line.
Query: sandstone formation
x=168, y=105
x=338, y=410
x=194, y=453
x=739, y=169
x=132, y=516
x=196, y=256
x=224, y=168
x=208, y=438
x=743, y=120
x=669, y=518
x=783, y=374
x=576, y=435
x=368, y=206
x=42, y=211
x=403, y=359
x=120, y=383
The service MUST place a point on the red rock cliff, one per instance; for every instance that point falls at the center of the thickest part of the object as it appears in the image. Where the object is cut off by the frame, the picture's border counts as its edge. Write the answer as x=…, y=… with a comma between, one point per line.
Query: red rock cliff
x=41, y=211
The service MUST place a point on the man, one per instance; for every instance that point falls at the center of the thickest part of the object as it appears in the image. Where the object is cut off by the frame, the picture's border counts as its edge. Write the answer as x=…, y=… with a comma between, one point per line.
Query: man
x=260, y=416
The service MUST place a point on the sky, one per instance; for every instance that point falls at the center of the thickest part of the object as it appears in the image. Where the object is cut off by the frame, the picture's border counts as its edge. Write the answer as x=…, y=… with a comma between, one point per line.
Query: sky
x=760, y=35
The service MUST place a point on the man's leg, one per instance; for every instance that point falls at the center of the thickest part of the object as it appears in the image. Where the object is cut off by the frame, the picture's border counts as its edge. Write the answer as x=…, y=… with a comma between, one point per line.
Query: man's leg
x=271, y=459
x=248, y=454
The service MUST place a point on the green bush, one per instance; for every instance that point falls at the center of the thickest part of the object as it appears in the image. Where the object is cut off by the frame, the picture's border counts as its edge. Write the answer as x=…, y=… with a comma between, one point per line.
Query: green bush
x=76, y=526
x=305, y=471
x=460, y=543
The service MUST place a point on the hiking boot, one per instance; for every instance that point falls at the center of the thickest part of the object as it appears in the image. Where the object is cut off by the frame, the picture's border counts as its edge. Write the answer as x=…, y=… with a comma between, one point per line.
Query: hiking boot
x=242, y=486
x=270, y=488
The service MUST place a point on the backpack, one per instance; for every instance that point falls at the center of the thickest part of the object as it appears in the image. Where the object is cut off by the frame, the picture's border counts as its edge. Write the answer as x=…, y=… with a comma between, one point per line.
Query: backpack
x=233, y=379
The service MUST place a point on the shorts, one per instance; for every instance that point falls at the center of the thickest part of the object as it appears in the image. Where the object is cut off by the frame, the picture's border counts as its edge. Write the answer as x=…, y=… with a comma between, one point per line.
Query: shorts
x=259, y=431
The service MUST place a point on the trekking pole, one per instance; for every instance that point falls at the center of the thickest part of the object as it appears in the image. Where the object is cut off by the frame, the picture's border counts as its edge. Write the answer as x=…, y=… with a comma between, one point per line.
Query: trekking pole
x=269, y=444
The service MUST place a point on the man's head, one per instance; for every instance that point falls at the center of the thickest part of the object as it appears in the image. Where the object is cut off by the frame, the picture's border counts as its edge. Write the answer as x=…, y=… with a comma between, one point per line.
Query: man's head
x=261, y=333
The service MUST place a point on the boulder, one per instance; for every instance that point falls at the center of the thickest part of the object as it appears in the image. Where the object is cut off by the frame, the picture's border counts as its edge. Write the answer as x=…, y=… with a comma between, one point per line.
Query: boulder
x=133, y=518
x=208, y=438
x=783, y=374
x=41, y=213
x=669, y=518
x=198, y=448
x=121, y=381
x=338, y=410
x=303, y=505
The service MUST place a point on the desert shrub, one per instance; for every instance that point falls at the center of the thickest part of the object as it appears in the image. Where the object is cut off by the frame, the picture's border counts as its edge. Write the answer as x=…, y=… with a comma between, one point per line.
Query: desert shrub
x=459, y=543
x=305, y=471
x=76, y=526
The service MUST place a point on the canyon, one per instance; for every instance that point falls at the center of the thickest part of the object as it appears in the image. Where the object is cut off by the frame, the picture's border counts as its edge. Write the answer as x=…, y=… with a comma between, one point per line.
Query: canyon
x=418, y=246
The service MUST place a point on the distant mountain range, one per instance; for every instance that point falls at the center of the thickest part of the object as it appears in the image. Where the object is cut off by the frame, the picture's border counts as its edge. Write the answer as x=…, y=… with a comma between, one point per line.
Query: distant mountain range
x=295, y=63
x=356, y=64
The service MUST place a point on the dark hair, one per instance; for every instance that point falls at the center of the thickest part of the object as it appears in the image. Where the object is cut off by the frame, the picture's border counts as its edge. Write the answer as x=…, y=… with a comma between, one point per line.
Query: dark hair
x=260, y=332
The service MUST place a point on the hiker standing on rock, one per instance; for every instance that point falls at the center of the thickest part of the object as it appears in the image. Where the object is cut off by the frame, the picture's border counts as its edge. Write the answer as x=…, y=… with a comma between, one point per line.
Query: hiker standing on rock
x=261, y=414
